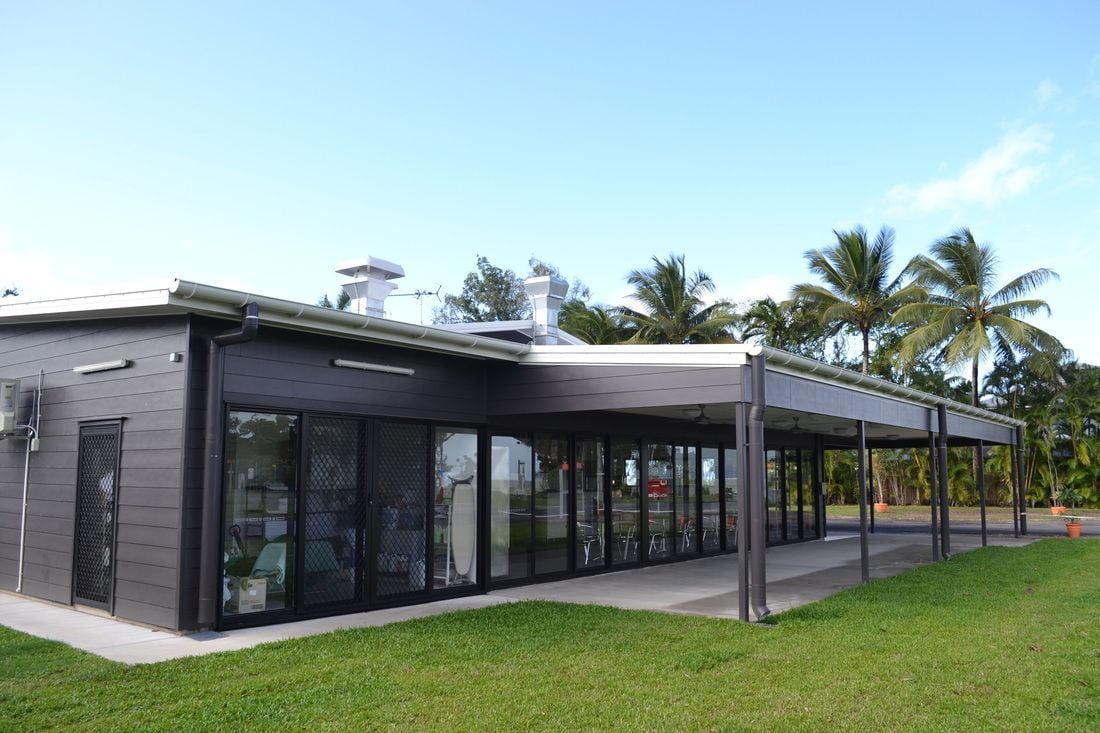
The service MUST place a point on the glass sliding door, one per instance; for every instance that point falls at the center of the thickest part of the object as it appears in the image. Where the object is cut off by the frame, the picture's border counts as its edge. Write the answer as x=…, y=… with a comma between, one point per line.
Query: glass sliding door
x=333, y=513
x=510, y=506
x=551, y=504
x=809, y=498
x=626, y=504
x=661, y=488
x=401, y=508
x=730, y=487
x=792, y=484
x=687, y=494
x=591, y=485
x=773, y=465
x=455, y=519
x=709, y=486
x=261, y=498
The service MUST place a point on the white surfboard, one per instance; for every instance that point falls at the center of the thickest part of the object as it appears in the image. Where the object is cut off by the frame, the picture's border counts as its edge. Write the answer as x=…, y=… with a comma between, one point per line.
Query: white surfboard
x=463, y=528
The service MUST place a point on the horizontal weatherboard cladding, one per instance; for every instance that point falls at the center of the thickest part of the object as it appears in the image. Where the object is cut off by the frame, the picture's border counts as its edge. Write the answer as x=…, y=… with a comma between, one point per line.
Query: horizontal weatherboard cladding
x=149, y=398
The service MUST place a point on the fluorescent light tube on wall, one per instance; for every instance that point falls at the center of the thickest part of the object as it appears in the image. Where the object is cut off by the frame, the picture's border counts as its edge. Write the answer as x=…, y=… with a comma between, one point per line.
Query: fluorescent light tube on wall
x=102, y=366
x=367, y=367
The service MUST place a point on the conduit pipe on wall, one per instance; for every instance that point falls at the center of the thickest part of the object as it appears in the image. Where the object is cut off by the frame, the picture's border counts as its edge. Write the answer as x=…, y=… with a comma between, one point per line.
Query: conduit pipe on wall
x=32, y=435
x=212, y=471
x=758, y=500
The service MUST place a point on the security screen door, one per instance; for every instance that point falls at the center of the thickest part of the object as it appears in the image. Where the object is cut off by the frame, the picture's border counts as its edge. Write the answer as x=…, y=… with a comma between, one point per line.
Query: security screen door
x=94, y=541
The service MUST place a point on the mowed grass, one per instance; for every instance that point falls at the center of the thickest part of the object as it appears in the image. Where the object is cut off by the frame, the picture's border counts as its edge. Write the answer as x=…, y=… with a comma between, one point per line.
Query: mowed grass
x=997, y=639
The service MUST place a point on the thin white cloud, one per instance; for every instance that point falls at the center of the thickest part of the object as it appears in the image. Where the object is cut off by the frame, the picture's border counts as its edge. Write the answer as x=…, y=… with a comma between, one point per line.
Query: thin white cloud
x=1004, y=171
x=1047, y=92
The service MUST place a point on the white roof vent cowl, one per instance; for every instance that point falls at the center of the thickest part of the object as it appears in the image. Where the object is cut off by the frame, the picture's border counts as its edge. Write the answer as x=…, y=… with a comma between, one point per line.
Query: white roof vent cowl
x=369, y=284
x=546, y=294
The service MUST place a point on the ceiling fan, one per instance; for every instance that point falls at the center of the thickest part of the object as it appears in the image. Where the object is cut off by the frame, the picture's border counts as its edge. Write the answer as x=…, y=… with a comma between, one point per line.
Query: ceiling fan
x=701, y=418
x=795, y=429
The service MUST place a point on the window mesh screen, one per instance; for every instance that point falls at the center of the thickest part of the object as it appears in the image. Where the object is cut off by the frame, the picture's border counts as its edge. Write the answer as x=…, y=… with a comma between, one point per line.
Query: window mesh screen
x=97, y=479
x=402, y=470
x=333, y=547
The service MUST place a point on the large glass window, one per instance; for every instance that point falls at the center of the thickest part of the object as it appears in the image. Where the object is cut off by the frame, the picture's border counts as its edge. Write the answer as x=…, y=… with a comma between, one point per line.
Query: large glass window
x=792, y=484
x=773, y=465
x=261, y=491
x=625, y=500
x=809, y=500
x=401, y=478
x=711, y=489
x=661, y=487
x=687, y=487
x=729, y=485
x=455, y=533
x=551, y=504
x=510, y=504
x=591, y=483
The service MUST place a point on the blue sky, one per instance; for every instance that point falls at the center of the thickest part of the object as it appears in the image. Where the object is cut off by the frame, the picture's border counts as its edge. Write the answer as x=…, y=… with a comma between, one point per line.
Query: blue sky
x=255, y=145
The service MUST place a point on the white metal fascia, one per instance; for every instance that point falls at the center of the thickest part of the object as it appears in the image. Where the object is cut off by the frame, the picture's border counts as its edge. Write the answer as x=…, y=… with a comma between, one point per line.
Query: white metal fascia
x=692, y=356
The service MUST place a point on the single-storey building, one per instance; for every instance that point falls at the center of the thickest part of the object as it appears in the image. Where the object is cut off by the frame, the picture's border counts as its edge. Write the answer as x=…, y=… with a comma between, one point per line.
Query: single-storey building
x=197, y=457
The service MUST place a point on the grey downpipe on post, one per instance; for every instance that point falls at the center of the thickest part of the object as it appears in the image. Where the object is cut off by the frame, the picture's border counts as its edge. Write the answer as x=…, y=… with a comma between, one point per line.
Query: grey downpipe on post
x=819, y=469
x=980, y=478
x=1020, y=480
x=758, y=498
x=870, y=453
x=861, y=477
x=742, y=535
x=212, y=471
x=945, y=518
x=31, y=437
x=933, y=490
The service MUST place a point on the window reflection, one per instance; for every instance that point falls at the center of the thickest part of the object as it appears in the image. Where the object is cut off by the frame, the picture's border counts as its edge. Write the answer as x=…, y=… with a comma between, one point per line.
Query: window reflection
x=625, y=501
x=661, y=491
x=708, y=482
x=510, y=504
x=551, y=504
x=591, y=482
x=455, y=533
x=260, y=486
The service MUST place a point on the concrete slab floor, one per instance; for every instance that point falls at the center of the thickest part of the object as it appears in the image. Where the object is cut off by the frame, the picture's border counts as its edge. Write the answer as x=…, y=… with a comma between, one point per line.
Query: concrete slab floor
x=797, y=574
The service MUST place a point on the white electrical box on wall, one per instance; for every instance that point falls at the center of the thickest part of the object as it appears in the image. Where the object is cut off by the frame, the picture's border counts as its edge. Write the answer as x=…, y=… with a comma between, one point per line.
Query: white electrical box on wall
x=9, y=406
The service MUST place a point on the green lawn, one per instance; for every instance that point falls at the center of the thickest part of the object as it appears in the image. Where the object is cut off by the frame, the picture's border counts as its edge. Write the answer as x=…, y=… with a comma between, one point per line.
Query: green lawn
x=998, y=639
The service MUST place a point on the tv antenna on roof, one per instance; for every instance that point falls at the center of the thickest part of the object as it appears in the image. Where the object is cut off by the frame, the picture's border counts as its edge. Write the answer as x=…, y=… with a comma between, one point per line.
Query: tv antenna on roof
x=420, y=295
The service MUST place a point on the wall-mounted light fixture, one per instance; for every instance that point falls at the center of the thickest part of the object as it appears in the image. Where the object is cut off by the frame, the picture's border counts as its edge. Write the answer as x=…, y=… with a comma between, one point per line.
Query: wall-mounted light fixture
x=368, y=367
x=103, y=366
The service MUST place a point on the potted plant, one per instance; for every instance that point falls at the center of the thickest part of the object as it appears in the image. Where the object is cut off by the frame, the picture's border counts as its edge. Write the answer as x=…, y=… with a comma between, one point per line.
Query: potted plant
x=1056, y=495
x=880, y=506
x=1071, y=496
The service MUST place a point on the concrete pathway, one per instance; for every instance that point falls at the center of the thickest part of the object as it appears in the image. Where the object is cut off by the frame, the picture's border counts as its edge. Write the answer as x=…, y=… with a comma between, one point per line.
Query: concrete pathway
x=133, y=644
x=797, y=574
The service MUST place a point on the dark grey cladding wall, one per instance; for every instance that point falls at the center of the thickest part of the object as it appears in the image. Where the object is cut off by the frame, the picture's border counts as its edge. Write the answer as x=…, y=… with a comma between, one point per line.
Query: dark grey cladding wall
x=808, y=395
x=293, y=371
x=150, y=395
x=517, y=390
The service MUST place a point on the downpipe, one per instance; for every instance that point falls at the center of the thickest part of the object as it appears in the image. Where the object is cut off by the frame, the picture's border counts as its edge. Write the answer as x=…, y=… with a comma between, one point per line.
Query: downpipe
x=758, y=501
x=209, y=575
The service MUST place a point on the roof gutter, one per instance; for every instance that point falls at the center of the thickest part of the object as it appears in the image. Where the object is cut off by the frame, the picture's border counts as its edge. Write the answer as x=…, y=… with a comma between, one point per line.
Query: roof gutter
x=213, y=300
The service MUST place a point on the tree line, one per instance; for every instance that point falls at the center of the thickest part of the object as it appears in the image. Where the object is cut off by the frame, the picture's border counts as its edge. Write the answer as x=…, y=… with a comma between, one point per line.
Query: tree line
x=942, y=312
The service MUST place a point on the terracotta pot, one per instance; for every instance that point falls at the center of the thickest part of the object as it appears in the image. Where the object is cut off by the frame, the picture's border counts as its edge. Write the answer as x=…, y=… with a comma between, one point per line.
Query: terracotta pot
x=1073, y=530
x=881, y=507
x=1057, y=510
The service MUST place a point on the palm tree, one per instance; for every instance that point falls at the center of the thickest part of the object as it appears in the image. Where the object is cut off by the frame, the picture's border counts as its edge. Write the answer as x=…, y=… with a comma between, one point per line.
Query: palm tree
x=595, y=324
x=857, y=291
x=673, y=307
x=965, y=315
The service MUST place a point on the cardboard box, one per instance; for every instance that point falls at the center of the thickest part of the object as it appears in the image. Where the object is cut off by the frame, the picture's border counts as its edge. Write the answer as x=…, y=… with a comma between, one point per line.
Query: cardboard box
x=252, y=598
